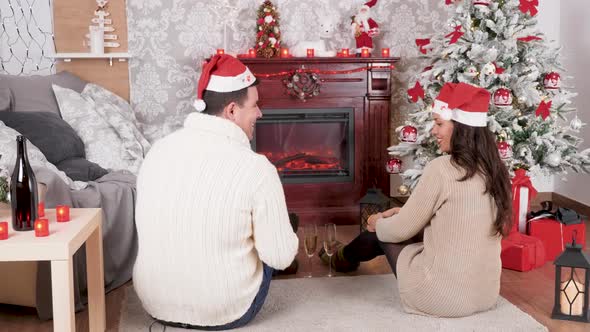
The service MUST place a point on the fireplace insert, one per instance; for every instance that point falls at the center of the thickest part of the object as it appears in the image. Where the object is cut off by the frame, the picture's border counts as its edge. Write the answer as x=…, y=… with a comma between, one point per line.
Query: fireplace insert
x=308, y=145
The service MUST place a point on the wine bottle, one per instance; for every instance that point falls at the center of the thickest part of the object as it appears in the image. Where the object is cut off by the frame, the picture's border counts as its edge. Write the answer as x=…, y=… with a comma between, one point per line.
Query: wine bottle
x=23, y=190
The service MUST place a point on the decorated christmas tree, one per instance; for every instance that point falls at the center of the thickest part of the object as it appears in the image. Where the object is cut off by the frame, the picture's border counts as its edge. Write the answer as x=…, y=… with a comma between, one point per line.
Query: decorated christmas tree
x=268, y=32
x=496, y=45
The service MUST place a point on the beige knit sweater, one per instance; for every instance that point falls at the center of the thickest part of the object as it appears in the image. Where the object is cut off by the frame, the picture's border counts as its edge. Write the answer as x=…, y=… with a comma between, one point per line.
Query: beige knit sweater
x=456, y=270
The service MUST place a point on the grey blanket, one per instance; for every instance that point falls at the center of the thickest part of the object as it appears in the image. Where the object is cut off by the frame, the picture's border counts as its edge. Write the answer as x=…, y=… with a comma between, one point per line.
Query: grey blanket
x=115, y=194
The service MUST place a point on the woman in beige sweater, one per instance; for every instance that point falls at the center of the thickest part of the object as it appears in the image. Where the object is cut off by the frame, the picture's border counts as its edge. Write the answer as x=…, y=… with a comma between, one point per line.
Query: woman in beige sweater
x=462, y=203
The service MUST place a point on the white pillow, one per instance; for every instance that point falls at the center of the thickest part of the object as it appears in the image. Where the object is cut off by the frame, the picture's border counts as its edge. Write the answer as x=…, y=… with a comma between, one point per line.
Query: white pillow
x=36, y=157
x=102, y=143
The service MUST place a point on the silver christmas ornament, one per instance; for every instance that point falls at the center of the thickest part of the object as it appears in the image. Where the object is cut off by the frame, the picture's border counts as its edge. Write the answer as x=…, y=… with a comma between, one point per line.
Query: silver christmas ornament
x=553, y=159
x=576, y=123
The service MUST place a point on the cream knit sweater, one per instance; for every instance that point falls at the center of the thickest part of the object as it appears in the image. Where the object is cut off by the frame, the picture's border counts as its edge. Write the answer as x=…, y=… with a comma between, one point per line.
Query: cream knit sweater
x=209, y=212
x=456, y=270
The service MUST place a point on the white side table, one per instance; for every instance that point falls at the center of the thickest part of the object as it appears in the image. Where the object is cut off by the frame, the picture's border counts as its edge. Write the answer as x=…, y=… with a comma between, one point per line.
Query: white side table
x=63, y=241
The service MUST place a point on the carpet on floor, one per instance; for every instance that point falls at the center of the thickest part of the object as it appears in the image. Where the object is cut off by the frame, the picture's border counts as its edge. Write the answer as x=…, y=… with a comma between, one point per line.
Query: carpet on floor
x=359, y=303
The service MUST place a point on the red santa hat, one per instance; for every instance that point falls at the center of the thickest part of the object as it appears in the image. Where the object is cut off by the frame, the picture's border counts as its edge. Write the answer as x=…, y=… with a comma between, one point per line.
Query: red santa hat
x=463, y=103
x=223, y=73
x=370, y=4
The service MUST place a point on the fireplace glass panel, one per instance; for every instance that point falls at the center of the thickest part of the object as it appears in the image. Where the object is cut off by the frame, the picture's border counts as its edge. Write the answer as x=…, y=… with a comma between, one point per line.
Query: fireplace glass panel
x=308, y=145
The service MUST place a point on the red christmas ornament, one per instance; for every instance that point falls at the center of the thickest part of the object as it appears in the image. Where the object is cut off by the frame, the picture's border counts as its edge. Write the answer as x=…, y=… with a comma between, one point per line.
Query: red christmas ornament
x=416, y=92
x=408, y=134
x=529, y=6
x=543, y=109
x=482, y=3
x=502, y=97
x=505, y=150
x=552, y=81
x=394, y=165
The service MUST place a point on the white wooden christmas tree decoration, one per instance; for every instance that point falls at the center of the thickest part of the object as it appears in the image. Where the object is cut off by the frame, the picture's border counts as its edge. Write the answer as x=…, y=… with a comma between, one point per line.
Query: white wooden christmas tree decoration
x=102, y=23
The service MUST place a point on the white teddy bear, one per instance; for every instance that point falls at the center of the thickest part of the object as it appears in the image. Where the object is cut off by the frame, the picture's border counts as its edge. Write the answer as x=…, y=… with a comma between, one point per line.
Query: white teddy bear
x=321, y=44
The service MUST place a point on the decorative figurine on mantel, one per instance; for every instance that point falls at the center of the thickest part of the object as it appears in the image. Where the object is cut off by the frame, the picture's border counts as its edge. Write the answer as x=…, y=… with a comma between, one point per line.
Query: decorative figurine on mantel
x=97, y=39
x=364, y=28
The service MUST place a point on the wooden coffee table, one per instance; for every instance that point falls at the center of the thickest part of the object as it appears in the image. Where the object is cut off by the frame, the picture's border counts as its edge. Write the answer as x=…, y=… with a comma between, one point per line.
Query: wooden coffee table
x=59, y=247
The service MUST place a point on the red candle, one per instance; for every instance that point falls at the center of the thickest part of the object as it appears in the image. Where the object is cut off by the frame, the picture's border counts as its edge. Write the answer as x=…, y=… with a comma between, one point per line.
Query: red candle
x=385, y=52
x=62, y=212
x=220, y=51
x=251, y=53
x=284, y=52
x=310, y=52
x=41, y=209
x=41, y=227
x=365, y=53
x=345, y=52
x=3, y=230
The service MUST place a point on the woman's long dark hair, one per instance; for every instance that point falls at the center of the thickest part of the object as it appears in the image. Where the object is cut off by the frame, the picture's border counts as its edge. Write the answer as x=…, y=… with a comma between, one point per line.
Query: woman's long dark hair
x=474, y=149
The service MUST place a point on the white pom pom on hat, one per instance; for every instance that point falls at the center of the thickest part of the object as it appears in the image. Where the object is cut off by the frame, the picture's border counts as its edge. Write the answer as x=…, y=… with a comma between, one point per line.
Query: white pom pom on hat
x=223, y=73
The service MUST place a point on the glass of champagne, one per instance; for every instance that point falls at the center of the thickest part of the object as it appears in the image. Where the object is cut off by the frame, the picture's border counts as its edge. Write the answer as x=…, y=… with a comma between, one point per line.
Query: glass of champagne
x=310, y=233
x=330, y=243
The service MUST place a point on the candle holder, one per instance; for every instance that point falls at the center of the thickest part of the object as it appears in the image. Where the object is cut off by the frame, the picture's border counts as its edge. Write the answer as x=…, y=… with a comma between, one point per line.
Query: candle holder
x=310, y=52
x=385, y=52
x=365, y=53
x=251, y=53
x=345, y=52
x=41, y=227
x=41, y=209
x=284, y=52
x=3, y=230
x=220, y=51
x=62, y=213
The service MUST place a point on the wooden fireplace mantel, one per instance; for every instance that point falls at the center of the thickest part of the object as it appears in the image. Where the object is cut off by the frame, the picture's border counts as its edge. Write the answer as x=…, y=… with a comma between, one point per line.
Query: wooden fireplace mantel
x=364, y=84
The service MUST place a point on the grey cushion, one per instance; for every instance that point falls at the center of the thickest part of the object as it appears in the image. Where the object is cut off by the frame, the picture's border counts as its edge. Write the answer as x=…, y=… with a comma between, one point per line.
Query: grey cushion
x=80, y=169
x=5, y=100
x=50, y=133
x=34, y=93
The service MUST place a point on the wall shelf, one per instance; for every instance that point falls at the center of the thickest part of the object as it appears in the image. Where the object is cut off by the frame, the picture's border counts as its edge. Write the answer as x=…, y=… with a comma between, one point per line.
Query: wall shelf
x=67, y=57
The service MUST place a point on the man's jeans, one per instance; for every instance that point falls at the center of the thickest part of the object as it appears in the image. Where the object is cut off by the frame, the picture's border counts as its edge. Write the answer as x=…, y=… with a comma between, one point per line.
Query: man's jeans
x=247, y=317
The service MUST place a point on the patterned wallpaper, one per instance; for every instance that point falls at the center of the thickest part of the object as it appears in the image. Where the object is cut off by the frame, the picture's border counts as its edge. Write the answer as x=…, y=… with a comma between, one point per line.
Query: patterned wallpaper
x=170, y=39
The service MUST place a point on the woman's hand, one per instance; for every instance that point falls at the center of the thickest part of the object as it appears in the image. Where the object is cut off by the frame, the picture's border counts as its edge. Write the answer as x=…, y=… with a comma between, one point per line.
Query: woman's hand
x=372, y=221
x=391, y=212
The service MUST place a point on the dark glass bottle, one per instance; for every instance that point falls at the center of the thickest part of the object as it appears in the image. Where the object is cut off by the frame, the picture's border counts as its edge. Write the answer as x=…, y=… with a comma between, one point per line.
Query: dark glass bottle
x=23, y=189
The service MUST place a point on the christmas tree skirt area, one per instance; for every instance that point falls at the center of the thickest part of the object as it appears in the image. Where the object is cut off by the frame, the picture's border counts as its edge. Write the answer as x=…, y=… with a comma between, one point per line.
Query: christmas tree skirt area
x=359, y=303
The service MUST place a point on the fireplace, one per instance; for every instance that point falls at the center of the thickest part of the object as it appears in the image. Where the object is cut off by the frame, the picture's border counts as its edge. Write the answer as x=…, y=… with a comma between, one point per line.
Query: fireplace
x=329, y=139
x=308, y=145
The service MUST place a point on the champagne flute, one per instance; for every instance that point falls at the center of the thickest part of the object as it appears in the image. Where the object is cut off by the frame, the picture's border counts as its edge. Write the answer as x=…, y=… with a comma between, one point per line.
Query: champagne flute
x=310, y=233
x=330, y=242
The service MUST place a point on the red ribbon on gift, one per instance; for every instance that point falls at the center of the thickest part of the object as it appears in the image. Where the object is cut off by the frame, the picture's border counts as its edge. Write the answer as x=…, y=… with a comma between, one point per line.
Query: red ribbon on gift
x=520, y=180
x=456, y=34
x=529, y=6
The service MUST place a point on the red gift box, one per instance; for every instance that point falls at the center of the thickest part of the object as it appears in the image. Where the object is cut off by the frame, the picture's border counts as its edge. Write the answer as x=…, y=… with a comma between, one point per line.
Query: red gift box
x=556, y=235
x=521, y=252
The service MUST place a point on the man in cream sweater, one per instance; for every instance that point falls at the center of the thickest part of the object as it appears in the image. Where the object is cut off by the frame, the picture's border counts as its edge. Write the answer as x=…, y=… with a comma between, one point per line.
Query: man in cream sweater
x=211, y=216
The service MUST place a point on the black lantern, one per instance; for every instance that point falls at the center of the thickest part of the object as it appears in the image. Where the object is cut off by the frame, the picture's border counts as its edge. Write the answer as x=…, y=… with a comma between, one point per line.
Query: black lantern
x=373, y=202
x=572, y=275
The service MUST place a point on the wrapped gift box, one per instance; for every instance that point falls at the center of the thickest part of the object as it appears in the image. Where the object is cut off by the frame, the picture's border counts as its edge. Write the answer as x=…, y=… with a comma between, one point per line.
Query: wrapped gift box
x=521, y=252
x=555, y=235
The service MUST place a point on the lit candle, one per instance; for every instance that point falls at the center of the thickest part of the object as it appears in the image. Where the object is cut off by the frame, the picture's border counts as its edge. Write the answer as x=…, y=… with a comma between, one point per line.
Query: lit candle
x=41, y=209
x=365, y=53
x=41, y=227
x=284, y=52
x=252, y=53
x=570, y=293
x=310, y=52
x=339, y=54
x=62, y=213
x=385, y=52
x=3, y=230
x=345, y=52
x=220, y=51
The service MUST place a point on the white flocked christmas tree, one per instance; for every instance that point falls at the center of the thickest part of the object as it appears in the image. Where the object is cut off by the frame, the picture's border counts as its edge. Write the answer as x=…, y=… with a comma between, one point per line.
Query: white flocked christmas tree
x=497, y=45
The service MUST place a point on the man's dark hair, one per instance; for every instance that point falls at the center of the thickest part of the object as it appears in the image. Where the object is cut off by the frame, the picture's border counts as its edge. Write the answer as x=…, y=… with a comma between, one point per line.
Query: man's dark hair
x=216, y=101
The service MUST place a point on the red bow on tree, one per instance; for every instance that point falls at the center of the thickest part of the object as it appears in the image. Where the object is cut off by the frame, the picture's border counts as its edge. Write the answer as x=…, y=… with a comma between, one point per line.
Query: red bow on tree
x=529, y=6
x=448, y=2
x=499, y=70
x=416, y=92
x=529, y=38
x=543, y=109
x=421, y=43
x=455, y=35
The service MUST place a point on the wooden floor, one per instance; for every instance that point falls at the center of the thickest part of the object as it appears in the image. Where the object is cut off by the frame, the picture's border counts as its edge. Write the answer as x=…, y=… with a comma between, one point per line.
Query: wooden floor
x=531, y=291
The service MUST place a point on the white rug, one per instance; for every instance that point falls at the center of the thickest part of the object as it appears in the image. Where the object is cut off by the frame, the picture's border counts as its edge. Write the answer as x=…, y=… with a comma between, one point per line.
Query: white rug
x=361, y=303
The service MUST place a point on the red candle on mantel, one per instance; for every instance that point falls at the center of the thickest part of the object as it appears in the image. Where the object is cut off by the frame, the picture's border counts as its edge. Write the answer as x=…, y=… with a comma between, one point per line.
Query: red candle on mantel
x=251, y=53
x=385, y=52
x=345, y=52
x=284, y=52
x=41, y=227
x=310, y=52
x=62, y=213
x=41, y=209
x=220, y=51
x=3, y=230
x=365, y=53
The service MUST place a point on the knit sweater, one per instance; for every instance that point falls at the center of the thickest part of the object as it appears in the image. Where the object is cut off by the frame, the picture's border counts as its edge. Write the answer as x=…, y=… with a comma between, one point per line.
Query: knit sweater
x=456, y=270
x=209, y=212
